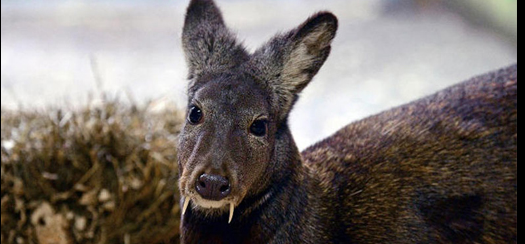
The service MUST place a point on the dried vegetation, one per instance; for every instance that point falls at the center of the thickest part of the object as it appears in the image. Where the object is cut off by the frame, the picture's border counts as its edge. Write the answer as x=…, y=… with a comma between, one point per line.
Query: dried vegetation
x=102, y=174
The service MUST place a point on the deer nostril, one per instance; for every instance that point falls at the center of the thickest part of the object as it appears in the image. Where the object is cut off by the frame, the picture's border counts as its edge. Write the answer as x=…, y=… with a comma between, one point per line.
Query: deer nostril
x=224, y=188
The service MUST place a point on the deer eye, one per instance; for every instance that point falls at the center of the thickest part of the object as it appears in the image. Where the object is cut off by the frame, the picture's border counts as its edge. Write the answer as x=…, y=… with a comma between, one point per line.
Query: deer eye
x=195, y=115
x=259, y=127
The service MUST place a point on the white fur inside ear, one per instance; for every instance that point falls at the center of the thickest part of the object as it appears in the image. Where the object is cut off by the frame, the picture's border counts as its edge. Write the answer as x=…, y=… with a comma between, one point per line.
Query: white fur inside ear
x=289, y=61
x=293, y=71
x=305, y=55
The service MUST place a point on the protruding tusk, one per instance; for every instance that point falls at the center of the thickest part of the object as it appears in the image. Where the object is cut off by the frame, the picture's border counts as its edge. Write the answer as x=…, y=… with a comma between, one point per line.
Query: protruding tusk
x=185, y=205
x=231, y=212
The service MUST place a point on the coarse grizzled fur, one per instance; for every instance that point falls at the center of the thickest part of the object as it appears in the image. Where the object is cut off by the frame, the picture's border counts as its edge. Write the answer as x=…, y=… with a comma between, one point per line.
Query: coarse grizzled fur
x=442, y=169
x=438, y=170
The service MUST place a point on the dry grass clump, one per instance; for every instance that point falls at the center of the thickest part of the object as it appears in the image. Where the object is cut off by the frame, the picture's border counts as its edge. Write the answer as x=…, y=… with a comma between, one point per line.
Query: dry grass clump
x=104, y=174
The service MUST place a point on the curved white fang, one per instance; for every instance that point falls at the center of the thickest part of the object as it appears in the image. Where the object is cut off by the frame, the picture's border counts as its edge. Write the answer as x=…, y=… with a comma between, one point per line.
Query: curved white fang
x=185, y=205
x=231, y=213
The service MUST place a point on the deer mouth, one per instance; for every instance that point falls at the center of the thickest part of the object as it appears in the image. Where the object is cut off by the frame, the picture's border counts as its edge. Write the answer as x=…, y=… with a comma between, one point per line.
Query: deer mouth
x=204, y=194
x=205, y=205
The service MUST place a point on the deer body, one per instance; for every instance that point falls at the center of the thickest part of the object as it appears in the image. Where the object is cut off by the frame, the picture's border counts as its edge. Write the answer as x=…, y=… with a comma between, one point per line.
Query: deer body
x=439, y=170
x=442, y=169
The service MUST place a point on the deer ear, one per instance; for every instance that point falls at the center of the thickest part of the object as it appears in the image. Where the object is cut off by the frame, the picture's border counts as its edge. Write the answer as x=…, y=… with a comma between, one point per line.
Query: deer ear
x=289, y=61
x=207, y=43
x=310, y=47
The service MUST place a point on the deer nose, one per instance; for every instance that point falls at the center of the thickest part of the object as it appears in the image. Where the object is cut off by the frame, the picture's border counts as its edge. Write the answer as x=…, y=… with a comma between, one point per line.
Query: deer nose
x=213, y=187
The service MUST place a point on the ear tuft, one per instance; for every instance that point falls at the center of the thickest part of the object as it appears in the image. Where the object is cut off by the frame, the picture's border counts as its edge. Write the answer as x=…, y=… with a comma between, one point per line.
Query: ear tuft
x=202, y=12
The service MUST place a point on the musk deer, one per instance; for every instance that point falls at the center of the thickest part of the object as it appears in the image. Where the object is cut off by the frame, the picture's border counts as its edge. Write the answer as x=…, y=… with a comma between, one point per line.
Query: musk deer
x=438, y=170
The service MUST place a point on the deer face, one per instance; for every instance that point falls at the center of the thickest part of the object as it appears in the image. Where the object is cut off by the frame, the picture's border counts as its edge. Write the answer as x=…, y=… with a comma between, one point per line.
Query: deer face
x=238, y=105
x=226, y=141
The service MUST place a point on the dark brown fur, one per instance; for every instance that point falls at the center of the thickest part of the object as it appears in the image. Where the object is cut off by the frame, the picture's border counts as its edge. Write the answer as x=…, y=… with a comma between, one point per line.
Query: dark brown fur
x=438, y=170
x=442, y=169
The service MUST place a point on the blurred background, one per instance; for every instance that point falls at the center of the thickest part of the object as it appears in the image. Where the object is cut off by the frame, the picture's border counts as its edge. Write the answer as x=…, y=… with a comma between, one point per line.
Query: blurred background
x=386, y=53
